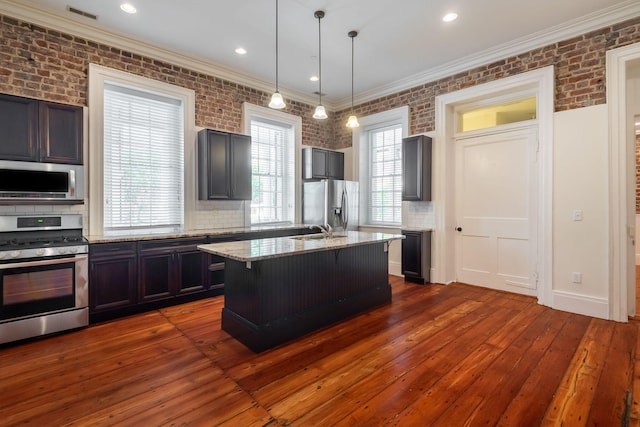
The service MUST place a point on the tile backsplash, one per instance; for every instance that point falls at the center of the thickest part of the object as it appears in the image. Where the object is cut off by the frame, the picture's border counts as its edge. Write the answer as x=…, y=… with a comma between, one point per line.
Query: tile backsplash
x=418, y=215
x=222, y=214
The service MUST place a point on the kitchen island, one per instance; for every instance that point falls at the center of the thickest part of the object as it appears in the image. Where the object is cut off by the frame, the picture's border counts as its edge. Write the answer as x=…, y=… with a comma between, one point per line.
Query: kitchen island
x=281, y=288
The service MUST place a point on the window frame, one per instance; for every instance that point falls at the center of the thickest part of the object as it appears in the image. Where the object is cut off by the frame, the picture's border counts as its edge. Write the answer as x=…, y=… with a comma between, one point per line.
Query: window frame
x=98, y=75
x=250, y=111
x=361, y=165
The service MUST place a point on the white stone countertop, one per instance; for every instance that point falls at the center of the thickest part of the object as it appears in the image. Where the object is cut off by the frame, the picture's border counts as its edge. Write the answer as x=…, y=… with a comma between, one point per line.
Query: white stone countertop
x=260, y=249
x=194, y=233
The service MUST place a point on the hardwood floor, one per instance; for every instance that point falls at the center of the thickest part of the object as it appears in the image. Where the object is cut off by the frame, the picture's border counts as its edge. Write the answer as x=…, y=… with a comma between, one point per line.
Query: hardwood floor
x=437, y=355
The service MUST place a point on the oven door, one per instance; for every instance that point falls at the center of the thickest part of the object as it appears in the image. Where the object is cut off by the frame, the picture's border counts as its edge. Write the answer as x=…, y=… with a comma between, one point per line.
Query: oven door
x=35, y=287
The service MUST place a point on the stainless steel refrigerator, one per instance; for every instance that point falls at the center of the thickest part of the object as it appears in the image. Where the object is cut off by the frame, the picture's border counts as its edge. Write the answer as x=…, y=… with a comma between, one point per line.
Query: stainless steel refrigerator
x=330, y=201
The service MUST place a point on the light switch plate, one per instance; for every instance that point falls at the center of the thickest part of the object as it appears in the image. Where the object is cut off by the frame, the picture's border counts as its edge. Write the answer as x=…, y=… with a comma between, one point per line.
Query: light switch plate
x=577, y=215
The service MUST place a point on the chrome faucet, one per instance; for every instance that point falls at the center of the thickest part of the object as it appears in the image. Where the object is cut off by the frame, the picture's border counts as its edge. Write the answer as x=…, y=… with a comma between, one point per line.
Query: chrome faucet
x=326, y=230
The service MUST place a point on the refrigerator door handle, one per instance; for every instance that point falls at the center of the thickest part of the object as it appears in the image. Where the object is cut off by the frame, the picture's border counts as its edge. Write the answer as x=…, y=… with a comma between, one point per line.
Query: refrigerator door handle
x=344, y=216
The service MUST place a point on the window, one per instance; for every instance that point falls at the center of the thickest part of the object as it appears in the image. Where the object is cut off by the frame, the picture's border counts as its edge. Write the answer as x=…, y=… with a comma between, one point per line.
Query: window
x=385, y=175
x=499, y=112
x=271, y=172
x=138, y=133
x=378, y=145
x=275, y=175
x=143, y=161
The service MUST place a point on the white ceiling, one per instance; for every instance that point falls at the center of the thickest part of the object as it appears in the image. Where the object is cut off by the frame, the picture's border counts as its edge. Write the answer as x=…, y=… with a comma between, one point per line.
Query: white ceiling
x=401, y=43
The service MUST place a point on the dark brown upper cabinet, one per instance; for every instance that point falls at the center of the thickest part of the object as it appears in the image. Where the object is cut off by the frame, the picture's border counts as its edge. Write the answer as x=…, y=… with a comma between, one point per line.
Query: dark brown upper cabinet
x=322, y=164
x=40, y=131
x=416, y=168
x=224, y=166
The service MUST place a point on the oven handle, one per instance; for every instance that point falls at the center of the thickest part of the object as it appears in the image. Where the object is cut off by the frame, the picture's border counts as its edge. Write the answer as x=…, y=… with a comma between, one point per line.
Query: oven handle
x=76, y=258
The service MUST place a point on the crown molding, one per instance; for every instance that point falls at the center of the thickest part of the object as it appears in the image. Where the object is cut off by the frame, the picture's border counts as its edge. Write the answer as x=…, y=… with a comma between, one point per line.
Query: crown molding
x=48, y=19
x=567, y=30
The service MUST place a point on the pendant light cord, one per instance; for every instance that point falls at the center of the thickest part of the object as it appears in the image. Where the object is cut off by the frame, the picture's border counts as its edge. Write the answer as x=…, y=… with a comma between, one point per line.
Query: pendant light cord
x=319, y=57
x=352, y=37
x=276, y=45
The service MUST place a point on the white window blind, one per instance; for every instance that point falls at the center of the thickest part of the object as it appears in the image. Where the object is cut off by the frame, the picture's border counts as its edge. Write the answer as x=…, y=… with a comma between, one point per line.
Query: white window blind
x=385, y=175
x=143, y=161
x=272, y=163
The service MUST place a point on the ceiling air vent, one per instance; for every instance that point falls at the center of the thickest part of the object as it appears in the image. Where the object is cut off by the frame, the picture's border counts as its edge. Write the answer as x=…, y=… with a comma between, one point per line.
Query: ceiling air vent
x=82, y=13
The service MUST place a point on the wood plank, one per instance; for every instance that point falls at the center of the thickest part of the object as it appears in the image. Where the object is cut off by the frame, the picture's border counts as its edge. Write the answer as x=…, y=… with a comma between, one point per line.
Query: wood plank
x=572, y=401
x=609, y=403
x=337, y=339
x=350, y=364
x=399, y=383
x=635, y=406
x=459, y=395
x=454, y=354
x=529, y=405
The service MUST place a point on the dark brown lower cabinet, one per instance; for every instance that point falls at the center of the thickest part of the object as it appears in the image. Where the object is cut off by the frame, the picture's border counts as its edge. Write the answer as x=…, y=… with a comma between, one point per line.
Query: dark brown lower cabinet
x=136, y=276
x=416, y=256
x=172, y=267
x=113, y=277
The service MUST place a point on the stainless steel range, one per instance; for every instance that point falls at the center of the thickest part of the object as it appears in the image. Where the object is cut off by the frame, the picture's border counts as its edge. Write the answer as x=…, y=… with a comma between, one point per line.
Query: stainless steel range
x=43, y=275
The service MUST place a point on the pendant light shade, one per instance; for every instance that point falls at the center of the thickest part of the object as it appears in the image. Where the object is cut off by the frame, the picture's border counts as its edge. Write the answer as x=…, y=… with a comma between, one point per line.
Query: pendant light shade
x=352, y=122
x=276, y=99
x=320, y=112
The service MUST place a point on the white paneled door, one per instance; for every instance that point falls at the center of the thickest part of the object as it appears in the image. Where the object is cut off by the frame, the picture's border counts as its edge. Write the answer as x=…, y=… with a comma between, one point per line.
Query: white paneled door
x=496, y=210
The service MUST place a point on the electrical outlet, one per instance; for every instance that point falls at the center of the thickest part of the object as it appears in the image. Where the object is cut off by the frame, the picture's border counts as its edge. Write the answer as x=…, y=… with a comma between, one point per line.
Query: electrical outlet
x=576, y=277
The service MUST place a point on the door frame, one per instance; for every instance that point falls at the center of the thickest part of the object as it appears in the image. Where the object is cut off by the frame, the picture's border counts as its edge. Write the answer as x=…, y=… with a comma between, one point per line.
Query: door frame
x=539, y=82
x=621, y=185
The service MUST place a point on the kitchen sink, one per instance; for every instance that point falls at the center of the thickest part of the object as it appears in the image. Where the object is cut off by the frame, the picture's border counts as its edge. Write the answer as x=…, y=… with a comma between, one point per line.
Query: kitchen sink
x=318, y=236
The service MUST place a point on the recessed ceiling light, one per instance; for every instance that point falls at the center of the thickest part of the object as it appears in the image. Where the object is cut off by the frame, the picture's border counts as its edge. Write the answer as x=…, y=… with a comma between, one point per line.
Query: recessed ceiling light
x=241, y=51
x=128, y=7
x=313, y=78
x=450, y=17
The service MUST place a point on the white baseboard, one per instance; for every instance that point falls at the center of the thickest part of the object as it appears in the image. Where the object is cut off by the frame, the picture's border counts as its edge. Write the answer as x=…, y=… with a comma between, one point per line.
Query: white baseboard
x=581, y=304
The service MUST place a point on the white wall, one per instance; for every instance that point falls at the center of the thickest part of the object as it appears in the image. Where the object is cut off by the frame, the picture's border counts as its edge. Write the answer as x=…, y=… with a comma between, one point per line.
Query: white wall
x=633, y=101
x=348, y=163
x=580, y=182
x=637, y=235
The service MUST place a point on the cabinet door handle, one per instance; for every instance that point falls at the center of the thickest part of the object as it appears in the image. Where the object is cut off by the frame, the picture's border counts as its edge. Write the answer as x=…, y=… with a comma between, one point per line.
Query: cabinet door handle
x=458, y=229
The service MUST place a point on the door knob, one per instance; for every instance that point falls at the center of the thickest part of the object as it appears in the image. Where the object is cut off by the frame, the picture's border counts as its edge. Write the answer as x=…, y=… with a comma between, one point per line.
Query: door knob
x=458, y=228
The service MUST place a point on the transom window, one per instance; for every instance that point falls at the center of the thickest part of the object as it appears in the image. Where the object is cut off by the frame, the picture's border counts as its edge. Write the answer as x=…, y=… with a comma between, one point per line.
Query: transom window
x=499, y=112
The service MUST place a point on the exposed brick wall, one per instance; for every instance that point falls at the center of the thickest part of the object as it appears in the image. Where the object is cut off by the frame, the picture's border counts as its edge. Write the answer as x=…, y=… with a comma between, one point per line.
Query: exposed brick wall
x=40, y=63
x=45, y=64
x=579, y=74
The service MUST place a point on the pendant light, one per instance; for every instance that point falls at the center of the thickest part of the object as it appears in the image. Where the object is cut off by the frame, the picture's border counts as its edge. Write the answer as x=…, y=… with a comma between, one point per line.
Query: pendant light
x=320, y=112
x=352, y=122
x=276, y=99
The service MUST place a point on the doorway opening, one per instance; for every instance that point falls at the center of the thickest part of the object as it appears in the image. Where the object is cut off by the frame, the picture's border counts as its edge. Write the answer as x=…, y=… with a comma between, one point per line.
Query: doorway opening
x=622, y=63
x=636, y=121
x=539, y=84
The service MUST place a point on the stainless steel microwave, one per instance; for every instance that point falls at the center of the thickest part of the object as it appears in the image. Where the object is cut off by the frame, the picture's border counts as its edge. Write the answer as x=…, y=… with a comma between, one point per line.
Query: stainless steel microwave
x=31, y=181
